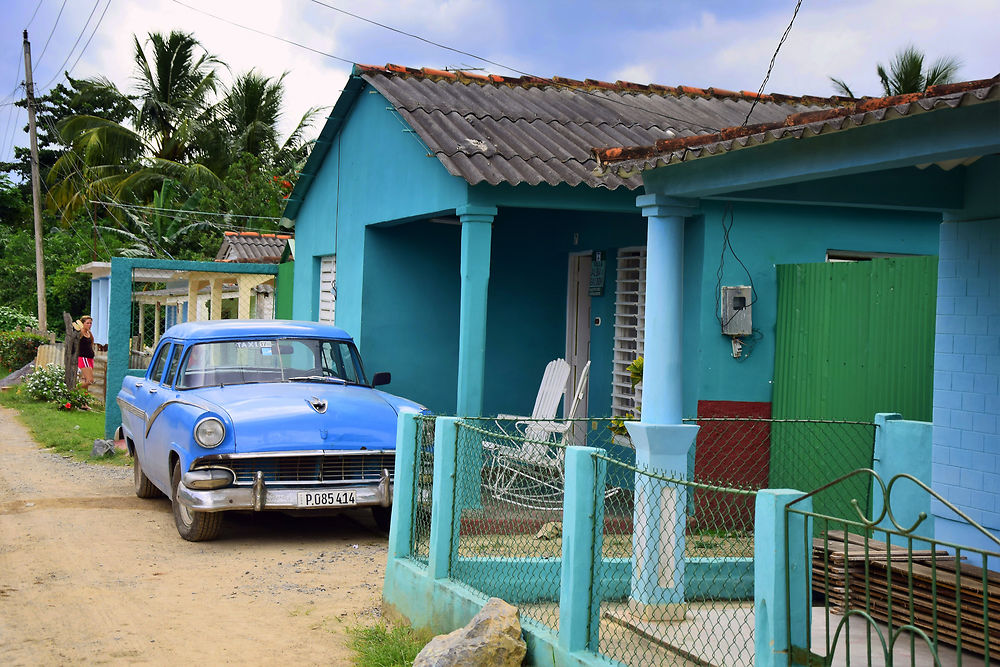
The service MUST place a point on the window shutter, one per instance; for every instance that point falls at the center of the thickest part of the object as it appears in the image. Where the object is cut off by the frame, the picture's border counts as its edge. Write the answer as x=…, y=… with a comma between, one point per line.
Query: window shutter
x=327, y=288
x=630, y=325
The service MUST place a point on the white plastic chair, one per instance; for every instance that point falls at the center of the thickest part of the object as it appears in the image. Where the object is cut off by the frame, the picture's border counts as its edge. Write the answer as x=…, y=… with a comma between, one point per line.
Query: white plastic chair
x=550, y=392
x=531, y=473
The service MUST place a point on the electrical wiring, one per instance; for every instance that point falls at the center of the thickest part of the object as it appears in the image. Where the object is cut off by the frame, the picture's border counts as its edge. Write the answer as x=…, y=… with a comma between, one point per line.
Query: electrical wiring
x=558, y=84
x=727, y=244
x=94, y=32
x=770, y=67
x=51, y=32
x=72, y=48
x=182, y=210
x=33, y=14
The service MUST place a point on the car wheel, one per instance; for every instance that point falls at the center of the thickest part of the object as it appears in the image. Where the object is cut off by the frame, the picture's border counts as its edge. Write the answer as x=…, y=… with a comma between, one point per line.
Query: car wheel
x=383, y=517
x=192, y=525
x=143, y=487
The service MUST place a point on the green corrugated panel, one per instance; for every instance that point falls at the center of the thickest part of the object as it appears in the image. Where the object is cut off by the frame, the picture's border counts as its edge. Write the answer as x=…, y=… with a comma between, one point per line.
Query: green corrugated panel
x=852, y=339
x=283, y=291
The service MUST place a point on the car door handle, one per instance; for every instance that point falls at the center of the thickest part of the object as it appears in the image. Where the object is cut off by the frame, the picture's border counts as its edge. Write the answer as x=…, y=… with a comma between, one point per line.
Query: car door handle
x=152, y=390
x=138, y=385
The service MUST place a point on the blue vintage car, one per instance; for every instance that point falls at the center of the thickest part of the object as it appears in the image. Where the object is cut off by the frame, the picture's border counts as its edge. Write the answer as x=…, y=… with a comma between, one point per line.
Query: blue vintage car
x=259, y=415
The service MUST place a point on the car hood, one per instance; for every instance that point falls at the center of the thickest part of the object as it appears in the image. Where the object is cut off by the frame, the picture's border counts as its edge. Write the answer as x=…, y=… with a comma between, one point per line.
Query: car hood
x=274, y=417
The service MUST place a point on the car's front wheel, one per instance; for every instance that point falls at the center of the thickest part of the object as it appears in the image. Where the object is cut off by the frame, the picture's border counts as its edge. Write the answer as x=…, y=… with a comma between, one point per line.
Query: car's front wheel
x=143, y=487
x=192, y=525
x=382, y=516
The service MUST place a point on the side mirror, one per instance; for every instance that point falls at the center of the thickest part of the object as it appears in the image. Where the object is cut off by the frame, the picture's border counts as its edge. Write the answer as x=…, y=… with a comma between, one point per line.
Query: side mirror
x=381, y=378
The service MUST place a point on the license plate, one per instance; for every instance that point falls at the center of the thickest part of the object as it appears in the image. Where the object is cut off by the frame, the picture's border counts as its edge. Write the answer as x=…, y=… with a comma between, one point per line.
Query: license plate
x=327, y=498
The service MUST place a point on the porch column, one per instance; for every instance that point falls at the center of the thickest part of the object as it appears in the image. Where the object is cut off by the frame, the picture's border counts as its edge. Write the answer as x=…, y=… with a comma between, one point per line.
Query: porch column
x=215, y=310
x=156, y=324
x=477, y=229
x=194, y=284
x=661, y=441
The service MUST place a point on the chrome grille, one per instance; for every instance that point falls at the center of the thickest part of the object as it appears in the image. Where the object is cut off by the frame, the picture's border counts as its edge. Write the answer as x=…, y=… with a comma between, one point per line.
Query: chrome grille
x=334, y=470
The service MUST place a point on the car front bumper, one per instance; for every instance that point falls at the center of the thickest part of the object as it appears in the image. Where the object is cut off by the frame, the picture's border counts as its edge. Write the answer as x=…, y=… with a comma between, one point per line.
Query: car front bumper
x=260, y=496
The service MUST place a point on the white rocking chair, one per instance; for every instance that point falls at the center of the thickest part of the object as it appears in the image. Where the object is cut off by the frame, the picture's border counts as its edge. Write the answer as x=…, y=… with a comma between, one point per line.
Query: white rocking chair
x=529, y=472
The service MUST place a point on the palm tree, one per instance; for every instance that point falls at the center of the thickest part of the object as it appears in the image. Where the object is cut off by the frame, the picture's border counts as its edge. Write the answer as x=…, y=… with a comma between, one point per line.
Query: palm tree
x=171, y=110
x=906, y=73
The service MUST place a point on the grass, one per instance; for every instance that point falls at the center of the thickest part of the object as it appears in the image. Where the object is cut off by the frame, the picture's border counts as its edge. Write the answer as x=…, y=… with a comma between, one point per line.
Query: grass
x=70, y=432
x=381, y=646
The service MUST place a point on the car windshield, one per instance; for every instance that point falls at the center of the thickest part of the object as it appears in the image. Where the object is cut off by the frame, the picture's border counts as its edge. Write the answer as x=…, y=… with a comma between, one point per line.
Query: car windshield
x=270, y=360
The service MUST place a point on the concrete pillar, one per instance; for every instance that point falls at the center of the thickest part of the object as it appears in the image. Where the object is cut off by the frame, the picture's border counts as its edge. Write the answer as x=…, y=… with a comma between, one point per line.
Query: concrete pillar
x=193, y=285
x=582, y=532
x=661, y=441
x=215, y=312
x=781, y=605
x=156, y=323
x=477, y=223
x=142, y=330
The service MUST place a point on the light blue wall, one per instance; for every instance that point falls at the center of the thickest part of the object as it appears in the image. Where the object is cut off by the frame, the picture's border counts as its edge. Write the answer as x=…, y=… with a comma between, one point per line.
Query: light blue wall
x=966, y=450
x=377, y=170
x=764, y=235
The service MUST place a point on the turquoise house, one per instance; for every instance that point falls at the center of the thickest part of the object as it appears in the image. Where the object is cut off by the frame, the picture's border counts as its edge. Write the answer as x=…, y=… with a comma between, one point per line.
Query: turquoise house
x=904, y=158
x=459, y=226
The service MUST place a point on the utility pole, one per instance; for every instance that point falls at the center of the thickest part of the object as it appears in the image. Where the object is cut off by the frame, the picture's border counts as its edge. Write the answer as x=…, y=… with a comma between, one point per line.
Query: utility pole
x=36, y=194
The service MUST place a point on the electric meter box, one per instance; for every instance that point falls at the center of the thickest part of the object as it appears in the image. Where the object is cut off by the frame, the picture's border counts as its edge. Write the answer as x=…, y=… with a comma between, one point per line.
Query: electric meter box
x=735, y=306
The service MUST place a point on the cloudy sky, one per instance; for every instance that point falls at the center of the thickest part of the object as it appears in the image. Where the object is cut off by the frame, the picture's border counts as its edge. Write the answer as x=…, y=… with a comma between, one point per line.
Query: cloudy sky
x=726, y=44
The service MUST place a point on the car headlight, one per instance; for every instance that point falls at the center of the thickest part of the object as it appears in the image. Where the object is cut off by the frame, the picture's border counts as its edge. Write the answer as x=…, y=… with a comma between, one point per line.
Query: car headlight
x=209, y=432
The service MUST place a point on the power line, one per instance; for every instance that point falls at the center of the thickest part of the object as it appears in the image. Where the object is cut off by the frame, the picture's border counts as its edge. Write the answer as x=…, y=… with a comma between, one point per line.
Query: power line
x=185, y=210
x=72, y=48
x=51, y=32
x=37, y=7
x=514, y=69
x=94, y=32
x=773, y=59
x=266, y=34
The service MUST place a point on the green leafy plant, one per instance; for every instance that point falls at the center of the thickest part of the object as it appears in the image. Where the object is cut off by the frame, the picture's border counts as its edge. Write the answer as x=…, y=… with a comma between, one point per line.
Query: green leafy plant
x=617, y=425
x=14, y=318
x=77, y=399
x=47, y=383
x=18, y=348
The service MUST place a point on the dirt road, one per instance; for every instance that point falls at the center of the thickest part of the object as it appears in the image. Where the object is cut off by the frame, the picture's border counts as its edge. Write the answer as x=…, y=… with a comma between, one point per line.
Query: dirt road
x=90, y=574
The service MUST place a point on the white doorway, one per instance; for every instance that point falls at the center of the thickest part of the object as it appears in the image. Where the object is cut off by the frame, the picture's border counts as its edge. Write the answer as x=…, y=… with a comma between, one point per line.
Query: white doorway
x=577, y=328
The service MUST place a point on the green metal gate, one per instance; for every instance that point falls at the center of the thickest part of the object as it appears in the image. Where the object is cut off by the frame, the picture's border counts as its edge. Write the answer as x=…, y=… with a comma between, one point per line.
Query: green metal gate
x=876, y=592
x=853, y=339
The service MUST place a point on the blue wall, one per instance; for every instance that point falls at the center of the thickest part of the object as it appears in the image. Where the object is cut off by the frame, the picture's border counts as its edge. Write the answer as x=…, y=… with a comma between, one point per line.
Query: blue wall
x=764, y=235
x=966, y=449
x=375, y=171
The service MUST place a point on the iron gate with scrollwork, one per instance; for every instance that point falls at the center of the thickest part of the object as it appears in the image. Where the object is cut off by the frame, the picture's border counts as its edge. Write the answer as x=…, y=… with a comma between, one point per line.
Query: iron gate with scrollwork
x=877, y=592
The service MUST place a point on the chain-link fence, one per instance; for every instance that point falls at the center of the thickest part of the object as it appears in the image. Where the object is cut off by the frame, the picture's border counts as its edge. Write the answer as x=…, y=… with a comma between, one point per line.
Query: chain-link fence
x=671, y=592
x=508, y=509
x=423, y=487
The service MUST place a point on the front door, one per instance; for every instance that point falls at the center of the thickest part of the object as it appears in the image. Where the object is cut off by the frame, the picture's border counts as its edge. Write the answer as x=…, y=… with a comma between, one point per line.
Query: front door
x=577, y=328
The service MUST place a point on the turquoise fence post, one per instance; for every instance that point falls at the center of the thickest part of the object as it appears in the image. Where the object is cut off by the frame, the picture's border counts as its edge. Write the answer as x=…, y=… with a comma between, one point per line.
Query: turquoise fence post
x=401, y=528
x=443, y=497
x=578, y=620
x=782, y=606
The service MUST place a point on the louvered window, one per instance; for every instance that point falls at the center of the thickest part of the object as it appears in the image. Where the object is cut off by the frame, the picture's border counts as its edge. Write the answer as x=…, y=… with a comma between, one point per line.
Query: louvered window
x=630, y=325
x=327, y=288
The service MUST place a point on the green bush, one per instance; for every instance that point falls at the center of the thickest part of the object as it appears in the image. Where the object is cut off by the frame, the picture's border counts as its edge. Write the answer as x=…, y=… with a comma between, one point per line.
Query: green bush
x=17, y=348
x=13, y=318
x=47, y=383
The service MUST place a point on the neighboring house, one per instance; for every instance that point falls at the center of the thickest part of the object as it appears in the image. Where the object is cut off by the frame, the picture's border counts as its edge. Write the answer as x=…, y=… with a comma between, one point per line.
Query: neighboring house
x=253, y=247
x=936, y=154
x=461, y=226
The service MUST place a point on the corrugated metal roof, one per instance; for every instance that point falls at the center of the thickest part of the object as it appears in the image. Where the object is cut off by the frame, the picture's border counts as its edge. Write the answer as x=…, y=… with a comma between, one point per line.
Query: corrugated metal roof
x=252, y=247
x=497, y=129
x=629, y=160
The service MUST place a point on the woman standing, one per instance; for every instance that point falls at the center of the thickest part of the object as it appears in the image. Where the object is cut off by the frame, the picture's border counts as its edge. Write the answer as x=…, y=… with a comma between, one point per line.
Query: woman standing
x=85, y=352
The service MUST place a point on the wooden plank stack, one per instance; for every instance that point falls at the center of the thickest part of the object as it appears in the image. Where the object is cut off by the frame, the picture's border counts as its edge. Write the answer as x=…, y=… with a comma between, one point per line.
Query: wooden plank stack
x=839, y=574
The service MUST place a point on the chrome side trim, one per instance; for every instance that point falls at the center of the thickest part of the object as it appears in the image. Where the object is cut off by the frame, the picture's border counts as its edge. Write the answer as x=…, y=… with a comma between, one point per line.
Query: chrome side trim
x=128, y=407
x=163, y=406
